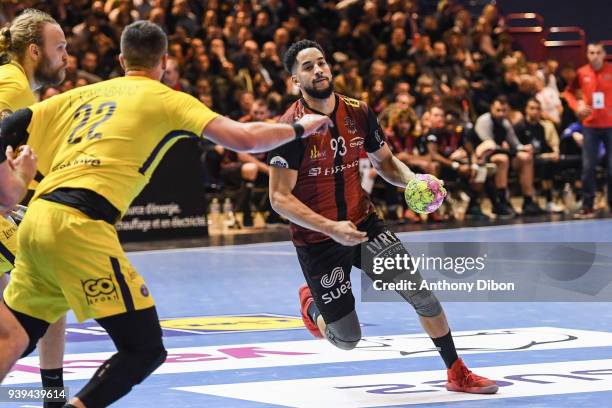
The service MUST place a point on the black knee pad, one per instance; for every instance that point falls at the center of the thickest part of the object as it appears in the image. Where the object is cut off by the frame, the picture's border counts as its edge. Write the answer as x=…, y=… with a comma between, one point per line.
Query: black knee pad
x=143, y=351
x=35, y=329
x=425, y=303
x=344, y=333
x=142, y=363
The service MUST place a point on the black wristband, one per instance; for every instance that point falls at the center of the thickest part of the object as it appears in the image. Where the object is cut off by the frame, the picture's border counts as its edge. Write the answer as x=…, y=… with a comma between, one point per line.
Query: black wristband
x=299, y=130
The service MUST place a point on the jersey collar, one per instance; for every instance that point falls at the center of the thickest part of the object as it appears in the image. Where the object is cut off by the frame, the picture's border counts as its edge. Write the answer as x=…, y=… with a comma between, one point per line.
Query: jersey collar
x=331, y=115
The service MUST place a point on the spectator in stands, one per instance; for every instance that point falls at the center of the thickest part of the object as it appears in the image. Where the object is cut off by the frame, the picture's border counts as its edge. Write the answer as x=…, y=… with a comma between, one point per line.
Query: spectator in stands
x=550, y=102
x=548, y=73
x=398, y=51
x=89, y=66
x=245, y=103
x=263, y=30
x=173, y=79
x=499, y=145
x=349, y=82
x=459, y=103
x=541, y=134
x=441, y=68
x=590, y=96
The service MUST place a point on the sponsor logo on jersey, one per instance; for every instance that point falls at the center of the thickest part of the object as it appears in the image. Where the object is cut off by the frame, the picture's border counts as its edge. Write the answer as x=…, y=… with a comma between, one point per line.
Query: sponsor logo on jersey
x=279, y=162
x=349, y=124
x=329, y=171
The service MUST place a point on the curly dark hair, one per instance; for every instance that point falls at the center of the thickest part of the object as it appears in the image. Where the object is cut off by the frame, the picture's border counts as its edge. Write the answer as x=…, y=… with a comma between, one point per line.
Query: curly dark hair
x=292, y=52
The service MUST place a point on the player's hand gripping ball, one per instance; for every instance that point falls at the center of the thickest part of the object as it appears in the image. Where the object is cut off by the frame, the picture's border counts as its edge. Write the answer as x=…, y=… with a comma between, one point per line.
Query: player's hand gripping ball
x=424, y=193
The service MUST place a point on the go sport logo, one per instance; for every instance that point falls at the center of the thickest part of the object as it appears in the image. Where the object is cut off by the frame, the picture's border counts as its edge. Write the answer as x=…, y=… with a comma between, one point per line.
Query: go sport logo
x=331, y=279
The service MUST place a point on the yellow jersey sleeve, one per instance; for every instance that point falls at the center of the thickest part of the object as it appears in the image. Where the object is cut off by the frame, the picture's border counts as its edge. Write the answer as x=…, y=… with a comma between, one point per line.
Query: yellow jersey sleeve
x=15, y=92
x=41, y=127
x=188, y=113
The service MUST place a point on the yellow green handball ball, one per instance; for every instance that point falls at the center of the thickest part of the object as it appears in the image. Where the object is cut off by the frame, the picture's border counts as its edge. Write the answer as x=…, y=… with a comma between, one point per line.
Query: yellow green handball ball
x=424, y=194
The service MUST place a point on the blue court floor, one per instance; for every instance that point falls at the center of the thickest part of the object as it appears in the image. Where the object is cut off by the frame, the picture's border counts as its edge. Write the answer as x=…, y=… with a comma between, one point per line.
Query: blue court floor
x=231, y=324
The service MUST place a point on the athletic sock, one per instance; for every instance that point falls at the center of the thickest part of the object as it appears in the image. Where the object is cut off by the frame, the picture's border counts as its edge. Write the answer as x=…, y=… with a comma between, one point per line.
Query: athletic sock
x=52, y=378
x=446, y=348
x=501, y=195
x=246, y=203
x=548, y=195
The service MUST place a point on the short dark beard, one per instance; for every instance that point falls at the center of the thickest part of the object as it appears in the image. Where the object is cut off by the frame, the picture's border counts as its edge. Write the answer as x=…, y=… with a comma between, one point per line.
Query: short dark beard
x=319, y=93
x=45, y=77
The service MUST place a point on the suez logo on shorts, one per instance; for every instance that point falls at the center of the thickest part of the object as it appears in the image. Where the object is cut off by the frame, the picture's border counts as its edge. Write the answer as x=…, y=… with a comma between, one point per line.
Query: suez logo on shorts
x=329, y=171
x=329, y=280
x=100, y=290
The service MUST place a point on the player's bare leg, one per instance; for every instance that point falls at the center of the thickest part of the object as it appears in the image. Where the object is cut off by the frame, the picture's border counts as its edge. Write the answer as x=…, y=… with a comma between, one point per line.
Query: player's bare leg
x=51, y=356
x=13, y=340
x=51, y=345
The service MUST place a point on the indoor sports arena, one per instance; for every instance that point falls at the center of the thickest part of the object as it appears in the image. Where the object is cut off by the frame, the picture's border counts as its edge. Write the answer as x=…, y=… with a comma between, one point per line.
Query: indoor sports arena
x=357, y=203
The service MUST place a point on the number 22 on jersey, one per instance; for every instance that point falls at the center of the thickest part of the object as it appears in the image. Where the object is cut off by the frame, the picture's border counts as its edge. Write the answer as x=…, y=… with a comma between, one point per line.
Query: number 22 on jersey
x=83, y=114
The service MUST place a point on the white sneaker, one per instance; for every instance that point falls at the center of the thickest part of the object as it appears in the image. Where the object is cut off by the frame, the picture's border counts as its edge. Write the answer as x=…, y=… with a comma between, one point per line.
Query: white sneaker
x=553, y=207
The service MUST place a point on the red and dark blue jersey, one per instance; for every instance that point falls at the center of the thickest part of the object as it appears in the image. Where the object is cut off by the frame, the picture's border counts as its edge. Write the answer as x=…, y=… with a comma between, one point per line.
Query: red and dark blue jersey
x=328, y=164
x=447, y=141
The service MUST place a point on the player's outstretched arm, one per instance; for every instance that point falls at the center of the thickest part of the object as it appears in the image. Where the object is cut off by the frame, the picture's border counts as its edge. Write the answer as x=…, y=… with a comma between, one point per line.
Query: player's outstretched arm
x=256, y=137
x=390, y=167
x=282, y=182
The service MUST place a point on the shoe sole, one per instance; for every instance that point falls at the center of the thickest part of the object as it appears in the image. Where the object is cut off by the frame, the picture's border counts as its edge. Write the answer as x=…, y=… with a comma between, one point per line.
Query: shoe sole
x=491, y=389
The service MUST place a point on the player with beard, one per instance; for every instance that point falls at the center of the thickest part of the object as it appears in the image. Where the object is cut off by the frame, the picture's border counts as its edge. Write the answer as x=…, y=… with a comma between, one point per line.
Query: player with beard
x=33, y=54
x=315, y=184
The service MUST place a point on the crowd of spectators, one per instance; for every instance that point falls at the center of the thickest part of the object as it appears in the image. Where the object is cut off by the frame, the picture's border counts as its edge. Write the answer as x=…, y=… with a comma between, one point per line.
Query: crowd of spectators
x=453, y=96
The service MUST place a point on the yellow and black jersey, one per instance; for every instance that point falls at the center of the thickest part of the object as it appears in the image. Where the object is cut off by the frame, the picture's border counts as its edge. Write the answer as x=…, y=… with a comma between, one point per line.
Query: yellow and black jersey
x=108, y=137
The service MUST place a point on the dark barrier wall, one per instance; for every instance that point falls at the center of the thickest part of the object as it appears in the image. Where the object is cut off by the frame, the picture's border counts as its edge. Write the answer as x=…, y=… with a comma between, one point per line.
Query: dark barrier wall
x=592, y=15
x=172, y=205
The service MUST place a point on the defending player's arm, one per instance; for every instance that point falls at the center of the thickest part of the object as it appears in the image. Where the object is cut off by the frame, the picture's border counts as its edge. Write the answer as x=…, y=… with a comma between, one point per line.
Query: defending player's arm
x=386, y=164
x=256, y=137
x=16, y=173
x=282, y=182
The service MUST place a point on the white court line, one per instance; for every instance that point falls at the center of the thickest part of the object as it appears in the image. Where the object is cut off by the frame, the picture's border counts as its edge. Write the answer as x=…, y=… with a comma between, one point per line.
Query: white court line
x=241, y=356
x=216, y=248
x=424, y=387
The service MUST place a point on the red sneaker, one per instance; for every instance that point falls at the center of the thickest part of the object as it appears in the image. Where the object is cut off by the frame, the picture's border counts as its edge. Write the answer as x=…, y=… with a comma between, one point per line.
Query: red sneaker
x=461, y=379
x=305, y=301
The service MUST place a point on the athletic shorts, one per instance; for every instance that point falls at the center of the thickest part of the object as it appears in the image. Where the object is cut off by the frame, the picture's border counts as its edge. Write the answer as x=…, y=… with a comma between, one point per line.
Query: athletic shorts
x=327, y=266
x=68, y=261
x=231, y=174
x=8, y=244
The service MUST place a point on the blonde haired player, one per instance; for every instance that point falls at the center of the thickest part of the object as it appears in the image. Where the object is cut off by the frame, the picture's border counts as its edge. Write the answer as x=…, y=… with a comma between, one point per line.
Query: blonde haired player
x=33, y=54
x=101, y=144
